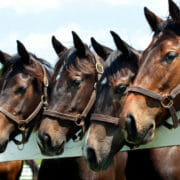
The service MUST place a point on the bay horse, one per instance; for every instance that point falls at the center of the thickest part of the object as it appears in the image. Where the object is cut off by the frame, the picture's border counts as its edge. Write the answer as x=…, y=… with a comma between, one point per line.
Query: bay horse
x=154, y=94
x=11, y=170
x=159, y=163
x=74, y=78
x=23, y=93
x=72, y=96
x=105, y=137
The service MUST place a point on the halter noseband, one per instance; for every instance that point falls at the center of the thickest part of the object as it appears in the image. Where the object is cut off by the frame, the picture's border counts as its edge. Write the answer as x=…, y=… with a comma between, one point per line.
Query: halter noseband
x=166, y=100
x=22, y=124
x=78, y=119
x=105, y=118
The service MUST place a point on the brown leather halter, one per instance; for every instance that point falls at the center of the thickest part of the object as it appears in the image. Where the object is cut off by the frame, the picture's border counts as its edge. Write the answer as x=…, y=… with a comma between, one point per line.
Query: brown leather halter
x=105, y=118
x=79, y=119
x=22, y=124
x=166, y=100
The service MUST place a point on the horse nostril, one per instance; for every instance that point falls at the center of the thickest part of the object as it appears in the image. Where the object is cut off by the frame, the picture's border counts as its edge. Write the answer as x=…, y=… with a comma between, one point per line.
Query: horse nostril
x=131, y=125
x=151, y=126
x=91, y=156
x=45, y=139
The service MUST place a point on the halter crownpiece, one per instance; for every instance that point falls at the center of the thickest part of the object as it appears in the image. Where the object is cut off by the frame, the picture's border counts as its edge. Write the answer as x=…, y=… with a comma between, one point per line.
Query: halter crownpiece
x=166, y=101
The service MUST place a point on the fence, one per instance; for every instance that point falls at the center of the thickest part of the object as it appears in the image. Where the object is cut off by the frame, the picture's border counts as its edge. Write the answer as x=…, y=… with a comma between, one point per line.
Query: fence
x=163, y=137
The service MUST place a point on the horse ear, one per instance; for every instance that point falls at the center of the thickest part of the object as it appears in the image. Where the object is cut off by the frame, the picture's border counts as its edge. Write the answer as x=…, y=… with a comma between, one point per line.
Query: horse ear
x=152, y=19
x=4, y=57
x=174, y=11
x=58, y=47
x=23, y=53
x=101, y=50
x=120, y=44
x=78, y=44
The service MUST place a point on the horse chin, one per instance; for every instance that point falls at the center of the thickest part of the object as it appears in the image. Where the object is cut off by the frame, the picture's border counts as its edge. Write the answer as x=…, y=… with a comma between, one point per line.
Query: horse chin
x=47, y=151
x=142, y=139
x=101, y=166
x=3, y=147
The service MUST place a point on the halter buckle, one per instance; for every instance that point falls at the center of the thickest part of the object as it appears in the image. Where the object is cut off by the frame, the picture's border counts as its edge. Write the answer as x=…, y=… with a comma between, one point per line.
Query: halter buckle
x=46, y=83
x=99, y=68
x=21, y=125
x=166, y=101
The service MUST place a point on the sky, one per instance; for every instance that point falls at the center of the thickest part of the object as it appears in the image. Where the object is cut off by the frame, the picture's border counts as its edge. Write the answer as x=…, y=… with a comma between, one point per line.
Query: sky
x=33, y=22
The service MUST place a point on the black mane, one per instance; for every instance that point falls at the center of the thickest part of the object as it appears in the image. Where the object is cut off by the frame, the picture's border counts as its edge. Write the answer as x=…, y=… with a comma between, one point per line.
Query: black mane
x=16, y=63
x=68, y=59
x=115, y=62
x=169, y=24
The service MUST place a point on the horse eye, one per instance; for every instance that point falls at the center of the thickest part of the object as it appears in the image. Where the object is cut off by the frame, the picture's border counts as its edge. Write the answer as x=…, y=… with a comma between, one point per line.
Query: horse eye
x=170, y=56
x=21, y=90
x=76, y=83
x=121, y=89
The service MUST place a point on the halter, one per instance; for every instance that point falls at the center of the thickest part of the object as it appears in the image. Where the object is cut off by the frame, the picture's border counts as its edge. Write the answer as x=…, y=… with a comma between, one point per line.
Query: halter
x=78, y=119
x=22, y=124
x=105, y=118
x=166, y=100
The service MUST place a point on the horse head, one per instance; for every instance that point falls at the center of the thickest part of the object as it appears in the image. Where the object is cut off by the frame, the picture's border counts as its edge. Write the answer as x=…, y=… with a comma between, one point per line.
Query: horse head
x=21, y=94
x=105, y=136
x=154, y=93
x=72, y=96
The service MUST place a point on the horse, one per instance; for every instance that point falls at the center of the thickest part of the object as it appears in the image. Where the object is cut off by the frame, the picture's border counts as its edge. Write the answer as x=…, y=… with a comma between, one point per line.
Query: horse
x=154, y=94
x=23, y=94
x=11, y=170
x=74, y=80
x=105, y=137
x=71, y=99
x=159, y=163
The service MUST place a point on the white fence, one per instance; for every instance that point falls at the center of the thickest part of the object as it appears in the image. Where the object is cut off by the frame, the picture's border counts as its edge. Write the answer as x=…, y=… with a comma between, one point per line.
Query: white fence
x=163, y=137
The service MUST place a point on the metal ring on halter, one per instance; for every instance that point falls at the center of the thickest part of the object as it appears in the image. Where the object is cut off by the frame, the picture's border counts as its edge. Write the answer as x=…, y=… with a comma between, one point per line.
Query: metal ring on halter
x=20, y=148
x=167, y=101
x=99, y=68
x=45, y=102
x=79, y=121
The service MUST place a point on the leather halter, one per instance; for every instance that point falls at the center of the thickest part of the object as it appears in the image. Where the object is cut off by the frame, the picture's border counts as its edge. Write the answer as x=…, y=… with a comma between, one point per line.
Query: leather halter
x=22, y=123
x=166, y=100
x=105, y=118
x=78, y=119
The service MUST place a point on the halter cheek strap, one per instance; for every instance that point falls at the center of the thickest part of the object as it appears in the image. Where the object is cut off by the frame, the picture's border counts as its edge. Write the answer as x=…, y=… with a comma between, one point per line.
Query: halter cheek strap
x=166, y=100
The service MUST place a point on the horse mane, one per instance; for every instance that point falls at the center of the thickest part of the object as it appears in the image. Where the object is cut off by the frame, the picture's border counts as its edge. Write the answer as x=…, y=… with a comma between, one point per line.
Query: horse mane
x=115, y=62
x=15, y=63
x=168, y=24
x=42, y=61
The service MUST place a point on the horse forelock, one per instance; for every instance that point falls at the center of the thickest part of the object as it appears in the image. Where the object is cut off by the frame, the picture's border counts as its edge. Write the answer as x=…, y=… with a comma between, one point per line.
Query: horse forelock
x=16, y=65
x=117, y=66
x=73, y=63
